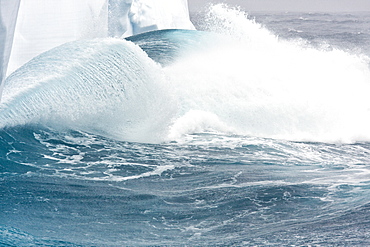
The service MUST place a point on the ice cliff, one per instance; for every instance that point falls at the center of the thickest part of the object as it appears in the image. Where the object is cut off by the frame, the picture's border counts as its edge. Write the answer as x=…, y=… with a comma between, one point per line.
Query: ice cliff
x=30, y=27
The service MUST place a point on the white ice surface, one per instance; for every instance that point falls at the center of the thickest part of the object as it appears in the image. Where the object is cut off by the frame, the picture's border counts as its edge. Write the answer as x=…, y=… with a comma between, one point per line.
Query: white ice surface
x=41, y=25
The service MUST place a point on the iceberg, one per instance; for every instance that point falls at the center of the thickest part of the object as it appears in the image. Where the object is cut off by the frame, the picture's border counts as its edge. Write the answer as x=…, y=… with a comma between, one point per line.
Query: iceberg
x=29, y=28
x=8, y=19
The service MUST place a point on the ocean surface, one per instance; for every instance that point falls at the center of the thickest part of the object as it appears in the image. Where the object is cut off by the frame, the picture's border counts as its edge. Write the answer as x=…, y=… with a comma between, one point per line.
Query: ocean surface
x=252, y=131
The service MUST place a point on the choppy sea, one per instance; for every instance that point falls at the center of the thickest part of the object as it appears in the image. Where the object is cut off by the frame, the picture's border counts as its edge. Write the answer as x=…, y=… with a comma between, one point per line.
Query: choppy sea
x=252, y=131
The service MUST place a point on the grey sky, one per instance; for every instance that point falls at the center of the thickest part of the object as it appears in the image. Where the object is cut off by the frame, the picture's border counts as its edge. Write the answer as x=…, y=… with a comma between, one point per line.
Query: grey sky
x=290, y=5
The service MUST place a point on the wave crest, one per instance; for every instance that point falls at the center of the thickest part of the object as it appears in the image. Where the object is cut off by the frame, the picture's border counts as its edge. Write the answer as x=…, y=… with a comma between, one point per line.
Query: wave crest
x=107, y=86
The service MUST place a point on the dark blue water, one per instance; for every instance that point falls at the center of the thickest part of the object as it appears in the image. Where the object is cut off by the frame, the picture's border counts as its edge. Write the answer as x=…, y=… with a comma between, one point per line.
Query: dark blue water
x=251, y=135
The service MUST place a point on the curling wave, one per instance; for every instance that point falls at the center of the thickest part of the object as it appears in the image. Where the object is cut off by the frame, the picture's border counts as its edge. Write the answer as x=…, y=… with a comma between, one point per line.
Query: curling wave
x=108, y=86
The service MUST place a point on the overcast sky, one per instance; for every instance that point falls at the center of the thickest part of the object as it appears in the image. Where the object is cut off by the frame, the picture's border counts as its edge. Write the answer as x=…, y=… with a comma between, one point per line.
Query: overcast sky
x=290, y=5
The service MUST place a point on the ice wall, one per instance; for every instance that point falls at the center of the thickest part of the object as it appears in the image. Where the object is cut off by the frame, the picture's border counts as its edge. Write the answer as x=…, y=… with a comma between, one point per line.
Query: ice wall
x=150, y=15
x=8, y=18
x=43, y=24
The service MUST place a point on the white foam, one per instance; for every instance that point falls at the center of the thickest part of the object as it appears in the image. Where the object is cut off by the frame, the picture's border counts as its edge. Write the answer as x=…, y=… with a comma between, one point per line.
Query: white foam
x=196, y=121
x=244, y=80
x=257, y=84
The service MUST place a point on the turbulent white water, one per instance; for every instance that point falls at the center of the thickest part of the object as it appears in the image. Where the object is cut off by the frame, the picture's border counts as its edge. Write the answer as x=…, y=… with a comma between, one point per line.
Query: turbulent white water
x=239, y=79
x=257, y=84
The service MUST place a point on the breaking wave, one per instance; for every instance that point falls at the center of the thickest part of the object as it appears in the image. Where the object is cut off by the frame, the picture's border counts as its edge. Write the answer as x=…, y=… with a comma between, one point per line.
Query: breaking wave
x=233, y=77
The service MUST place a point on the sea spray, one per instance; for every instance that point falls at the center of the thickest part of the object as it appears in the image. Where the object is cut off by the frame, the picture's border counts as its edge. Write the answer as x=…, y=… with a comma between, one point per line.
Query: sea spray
x=233, y=76
x=260, y=85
